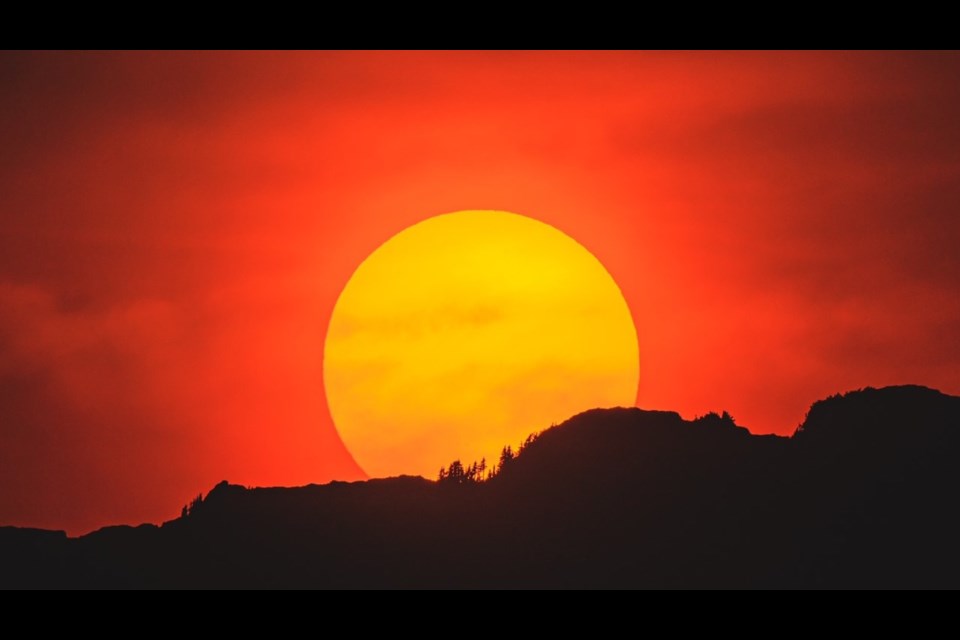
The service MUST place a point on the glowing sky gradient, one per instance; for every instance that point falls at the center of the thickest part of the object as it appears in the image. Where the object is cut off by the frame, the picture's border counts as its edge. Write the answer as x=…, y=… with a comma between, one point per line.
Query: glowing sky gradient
x=176, y=229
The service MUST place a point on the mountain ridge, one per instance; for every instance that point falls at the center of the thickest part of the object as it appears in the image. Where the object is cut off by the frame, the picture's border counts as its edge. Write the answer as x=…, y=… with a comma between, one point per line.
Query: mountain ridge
x=621, y=497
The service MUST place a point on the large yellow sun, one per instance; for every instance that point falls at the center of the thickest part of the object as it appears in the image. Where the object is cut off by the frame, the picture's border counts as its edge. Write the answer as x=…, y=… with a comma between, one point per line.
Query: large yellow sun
x=467, y=332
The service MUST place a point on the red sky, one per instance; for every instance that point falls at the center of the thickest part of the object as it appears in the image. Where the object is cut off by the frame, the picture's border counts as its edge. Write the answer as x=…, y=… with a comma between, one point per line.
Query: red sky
x=176, y=229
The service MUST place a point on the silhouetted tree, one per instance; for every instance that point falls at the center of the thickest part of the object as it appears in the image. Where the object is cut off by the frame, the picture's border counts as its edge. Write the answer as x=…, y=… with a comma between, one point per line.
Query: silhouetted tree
x=506, y=457
x=526, y=443
x=478, y=472
x=455, y=473
x=191, y=509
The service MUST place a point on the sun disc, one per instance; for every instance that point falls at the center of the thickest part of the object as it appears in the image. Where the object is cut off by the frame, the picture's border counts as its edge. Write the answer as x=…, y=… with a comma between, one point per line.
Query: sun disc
x=467, y=332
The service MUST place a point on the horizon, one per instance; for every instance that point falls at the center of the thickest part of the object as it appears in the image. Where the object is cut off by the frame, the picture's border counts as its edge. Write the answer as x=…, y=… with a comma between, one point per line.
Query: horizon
x=517, y=451
x=611, y=498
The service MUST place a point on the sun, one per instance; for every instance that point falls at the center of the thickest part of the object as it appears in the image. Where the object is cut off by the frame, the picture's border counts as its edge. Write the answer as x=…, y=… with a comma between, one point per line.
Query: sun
x=467, y=332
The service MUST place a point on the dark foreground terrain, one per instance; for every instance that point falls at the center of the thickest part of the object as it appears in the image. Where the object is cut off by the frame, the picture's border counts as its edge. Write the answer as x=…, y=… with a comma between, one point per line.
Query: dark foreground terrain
x=863, y=495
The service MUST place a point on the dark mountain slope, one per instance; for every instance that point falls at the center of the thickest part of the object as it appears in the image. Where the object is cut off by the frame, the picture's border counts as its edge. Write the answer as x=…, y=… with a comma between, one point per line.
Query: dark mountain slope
x=875, y=477
x=861, y=496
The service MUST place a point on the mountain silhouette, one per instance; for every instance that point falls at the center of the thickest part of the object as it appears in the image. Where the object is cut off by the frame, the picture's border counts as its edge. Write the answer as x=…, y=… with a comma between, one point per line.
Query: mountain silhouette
x=861, y=496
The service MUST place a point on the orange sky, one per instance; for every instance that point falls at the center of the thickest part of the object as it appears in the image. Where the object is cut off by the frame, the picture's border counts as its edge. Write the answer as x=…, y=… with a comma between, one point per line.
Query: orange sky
x=176, y=229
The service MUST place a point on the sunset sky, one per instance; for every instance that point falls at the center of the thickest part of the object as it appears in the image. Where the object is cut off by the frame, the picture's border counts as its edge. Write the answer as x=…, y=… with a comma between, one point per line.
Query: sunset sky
x=176, y=229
